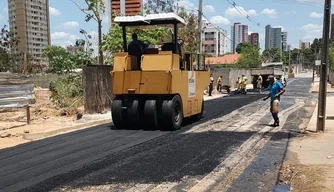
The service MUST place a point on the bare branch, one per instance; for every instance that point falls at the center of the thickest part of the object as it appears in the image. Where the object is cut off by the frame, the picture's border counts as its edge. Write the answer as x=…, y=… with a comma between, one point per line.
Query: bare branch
x=96, y=13
x=82, y=9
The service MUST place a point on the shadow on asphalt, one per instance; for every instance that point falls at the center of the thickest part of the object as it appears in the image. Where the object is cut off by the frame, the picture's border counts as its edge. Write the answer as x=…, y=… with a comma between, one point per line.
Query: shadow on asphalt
x=194, y=155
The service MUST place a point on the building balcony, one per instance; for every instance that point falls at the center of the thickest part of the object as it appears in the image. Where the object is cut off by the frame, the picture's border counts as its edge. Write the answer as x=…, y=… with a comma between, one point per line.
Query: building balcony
x=209, y=42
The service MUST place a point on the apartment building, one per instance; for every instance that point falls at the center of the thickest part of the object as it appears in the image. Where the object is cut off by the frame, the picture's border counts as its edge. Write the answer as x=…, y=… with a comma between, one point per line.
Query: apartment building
x=304, y=45
x=284, y=36
x=273, y=37
x=75, y=49
x=30, y=20
x=253, y=39
x=239, y=34
x=129, y=8
x=214, y=40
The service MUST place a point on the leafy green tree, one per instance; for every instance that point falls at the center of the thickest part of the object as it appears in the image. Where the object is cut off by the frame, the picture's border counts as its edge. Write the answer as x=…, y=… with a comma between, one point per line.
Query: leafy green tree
x=250, y=57
x=87, y=42
x=60, y=60
x=189, y=32
x=80, y=42
x=331, y=57
x=113, y=41
x=242, y=45
x=316, y=45
x=8, y=41
x=95, y=10
x=273, y=55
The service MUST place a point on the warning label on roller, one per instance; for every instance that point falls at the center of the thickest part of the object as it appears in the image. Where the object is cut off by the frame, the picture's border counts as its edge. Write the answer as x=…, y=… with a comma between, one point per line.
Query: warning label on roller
x=191, y=84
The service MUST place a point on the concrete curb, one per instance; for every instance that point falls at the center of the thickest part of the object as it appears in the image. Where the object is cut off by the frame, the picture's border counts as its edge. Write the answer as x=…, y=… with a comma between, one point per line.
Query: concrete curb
x=34, y=136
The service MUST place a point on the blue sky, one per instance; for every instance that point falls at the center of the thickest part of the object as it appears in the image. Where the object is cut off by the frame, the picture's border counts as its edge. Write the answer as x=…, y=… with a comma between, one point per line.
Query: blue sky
x=302, y=19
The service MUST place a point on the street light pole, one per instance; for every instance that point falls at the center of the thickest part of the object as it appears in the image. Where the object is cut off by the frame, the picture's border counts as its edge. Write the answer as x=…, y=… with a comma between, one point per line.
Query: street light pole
x=324, y=69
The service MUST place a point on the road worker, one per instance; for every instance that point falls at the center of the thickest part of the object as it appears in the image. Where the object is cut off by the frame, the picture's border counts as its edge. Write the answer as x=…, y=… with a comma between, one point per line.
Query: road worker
x=238, y=83
x=259, y=82
x=243, y=84
x=211, y=85
x=219, y=83
x=276, y=89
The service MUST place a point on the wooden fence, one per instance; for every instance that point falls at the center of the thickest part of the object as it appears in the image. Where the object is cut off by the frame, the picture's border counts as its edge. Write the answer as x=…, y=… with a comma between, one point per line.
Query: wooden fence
x=97, y=88
x=16, y=91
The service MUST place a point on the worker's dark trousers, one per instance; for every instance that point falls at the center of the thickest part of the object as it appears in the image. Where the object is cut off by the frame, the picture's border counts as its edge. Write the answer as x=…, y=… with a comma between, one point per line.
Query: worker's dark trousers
x=219, y=87
x=210, y=89
x=275, y=116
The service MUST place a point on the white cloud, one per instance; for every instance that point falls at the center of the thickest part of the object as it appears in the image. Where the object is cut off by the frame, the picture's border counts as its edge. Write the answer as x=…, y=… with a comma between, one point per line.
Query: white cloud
x=209, y=9
x=63, y=39
x=54, y=11
x=69, y=25
x=219, y=20
x=312, y=31
x=316, y=15
x=269, y=12
x=279, y=26
x=233, y=12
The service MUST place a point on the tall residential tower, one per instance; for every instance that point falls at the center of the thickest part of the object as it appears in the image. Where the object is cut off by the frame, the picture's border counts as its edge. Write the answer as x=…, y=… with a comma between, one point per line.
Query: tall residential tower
x=253, y=39
x=239, y=34
x=30, y=20
x=273, y=38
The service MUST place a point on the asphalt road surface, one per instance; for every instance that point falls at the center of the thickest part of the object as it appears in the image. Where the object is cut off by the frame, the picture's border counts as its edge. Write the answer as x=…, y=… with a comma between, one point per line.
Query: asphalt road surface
x=218, y=153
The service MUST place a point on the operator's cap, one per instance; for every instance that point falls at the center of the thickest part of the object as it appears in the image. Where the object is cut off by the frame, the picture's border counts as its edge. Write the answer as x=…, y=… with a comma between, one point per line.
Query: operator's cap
x=270, y=77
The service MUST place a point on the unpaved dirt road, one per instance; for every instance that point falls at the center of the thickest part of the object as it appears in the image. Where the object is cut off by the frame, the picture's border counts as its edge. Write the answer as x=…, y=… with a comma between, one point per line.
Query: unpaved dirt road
x=231, y=149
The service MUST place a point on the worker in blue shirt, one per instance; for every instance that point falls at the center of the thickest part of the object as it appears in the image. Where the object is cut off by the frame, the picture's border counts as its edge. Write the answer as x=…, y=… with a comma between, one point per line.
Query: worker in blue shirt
x=276, y=89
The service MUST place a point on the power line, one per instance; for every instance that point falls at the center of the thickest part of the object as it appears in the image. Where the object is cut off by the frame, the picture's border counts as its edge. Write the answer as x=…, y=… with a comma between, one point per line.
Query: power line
x=217, y=28
x=234, y=4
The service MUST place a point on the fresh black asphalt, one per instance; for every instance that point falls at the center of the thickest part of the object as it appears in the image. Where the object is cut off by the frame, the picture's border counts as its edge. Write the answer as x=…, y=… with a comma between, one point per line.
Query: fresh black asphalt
x=51, y=162
x=104, y=155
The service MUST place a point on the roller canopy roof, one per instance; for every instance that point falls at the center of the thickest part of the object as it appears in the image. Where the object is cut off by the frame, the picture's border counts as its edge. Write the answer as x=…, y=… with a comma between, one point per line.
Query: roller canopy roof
x=150, y=20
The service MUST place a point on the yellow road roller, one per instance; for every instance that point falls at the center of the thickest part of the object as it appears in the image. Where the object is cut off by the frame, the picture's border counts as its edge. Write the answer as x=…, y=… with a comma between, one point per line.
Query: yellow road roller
x=156, y=87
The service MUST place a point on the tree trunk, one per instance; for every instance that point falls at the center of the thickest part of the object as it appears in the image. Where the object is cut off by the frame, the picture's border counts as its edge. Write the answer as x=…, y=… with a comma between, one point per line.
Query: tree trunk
x=99, y=25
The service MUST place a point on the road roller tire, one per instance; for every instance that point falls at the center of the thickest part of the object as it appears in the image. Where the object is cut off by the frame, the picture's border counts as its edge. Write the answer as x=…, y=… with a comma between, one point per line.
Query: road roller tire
x=132, y=116
x=117, y=113
x=172, y=113
x=150, y=117
x=198, y=116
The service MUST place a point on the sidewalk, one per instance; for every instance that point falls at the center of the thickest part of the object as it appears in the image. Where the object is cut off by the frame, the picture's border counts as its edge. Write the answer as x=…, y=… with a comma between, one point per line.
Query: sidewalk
x=309, y=161
x=315, y=87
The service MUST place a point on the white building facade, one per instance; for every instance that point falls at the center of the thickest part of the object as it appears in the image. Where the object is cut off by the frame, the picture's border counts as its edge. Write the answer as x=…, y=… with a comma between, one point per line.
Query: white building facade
x=214, y=40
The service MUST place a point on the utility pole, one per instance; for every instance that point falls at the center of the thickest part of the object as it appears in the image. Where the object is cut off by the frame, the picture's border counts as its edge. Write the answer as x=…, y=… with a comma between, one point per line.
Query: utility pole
x=199, y=33
x=324, y=68
x=289, y=60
